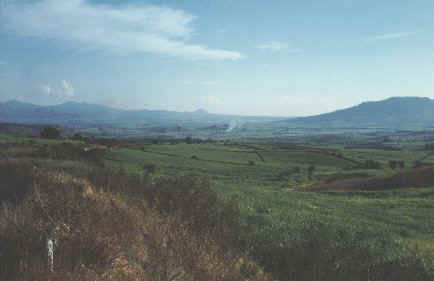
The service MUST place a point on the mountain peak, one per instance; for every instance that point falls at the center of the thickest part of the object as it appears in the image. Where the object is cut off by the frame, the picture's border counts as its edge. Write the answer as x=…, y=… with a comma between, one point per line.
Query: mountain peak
x=405, y=99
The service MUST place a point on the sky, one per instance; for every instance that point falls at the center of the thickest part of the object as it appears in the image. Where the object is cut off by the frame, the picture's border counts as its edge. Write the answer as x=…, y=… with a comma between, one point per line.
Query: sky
x=246, y=57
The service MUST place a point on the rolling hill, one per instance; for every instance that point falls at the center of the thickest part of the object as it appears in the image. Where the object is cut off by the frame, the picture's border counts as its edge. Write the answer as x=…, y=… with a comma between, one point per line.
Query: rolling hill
x=402, y=113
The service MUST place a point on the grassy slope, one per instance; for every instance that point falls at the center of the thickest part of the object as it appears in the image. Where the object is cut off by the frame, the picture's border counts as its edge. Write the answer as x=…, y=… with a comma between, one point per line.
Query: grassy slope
x=405, y=214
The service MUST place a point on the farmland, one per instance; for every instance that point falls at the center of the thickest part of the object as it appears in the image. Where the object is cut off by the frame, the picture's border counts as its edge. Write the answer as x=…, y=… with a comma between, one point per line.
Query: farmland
x=287, y=194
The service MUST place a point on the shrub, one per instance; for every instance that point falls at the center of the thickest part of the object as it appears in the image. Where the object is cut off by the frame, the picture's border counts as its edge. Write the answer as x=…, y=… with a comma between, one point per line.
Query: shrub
x=50, y=132
x=149, y=168
x=77, y=137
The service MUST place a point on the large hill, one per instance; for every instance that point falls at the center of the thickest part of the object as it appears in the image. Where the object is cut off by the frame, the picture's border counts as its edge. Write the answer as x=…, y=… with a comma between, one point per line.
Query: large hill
x=393, y=113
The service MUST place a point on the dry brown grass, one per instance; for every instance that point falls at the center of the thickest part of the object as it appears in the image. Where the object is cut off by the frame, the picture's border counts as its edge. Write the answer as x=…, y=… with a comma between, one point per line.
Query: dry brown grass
x=100, y=235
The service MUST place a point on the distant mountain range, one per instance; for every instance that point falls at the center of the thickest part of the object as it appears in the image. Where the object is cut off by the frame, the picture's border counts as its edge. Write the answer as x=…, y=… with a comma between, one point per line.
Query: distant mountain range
x=401, y=113
x=74, y=114
x=393, y=113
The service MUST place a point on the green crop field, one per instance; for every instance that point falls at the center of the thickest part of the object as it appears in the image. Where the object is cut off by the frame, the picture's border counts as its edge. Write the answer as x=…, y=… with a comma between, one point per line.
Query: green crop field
x=269, y=199
x=278, y=190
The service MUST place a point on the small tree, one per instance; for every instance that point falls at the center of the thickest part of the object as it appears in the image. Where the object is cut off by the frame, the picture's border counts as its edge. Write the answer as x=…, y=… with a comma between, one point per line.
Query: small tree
x=310, y=171
x=77, y=136
x=149, y=168
x=50, y=132
x=392, y=164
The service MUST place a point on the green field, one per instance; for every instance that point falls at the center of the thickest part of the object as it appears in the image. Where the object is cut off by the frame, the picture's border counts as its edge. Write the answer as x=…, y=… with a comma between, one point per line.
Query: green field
x=271, y=186
x=268, y=199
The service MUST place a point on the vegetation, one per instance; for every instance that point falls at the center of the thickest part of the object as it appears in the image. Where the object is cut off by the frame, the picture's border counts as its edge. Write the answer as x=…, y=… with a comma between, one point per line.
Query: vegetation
x=50, y=132
x=299, y=212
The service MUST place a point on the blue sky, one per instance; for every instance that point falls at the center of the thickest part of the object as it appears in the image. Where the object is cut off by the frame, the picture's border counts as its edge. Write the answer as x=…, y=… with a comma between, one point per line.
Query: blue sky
x=249, y=57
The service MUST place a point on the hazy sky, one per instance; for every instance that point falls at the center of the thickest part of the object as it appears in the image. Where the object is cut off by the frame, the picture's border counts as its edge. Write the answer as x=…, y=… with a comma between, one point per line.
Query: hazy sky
x=250, y=57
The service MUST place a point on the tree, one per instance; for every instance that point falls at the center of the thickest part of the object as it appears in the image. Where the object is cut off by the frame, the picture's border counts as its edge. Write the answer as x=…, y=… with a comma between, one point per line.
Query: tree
x=77, y=136
x=50, y=132
x=310, y=171
x=188, y=140
x=392, y=164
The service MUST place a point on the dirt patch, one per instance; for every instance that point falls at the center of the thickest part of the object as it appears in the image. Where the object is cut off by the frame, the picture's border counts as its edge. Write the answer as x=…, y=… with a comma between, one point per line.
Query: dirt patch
x=421, y=177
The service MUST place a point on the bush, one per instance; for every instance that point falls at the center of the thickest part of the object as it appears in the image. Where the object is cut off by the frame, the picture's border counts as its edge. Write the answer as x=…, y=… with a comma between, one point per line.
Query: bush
x=50, y=132
x=77, y=137
x=149, y=168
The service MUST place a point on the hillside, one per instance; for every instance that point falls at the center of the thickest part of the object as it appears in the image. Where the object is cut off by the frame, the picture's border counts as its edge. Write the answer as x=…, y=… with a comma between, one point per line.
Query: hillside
x=393, y=113
x=100, y=234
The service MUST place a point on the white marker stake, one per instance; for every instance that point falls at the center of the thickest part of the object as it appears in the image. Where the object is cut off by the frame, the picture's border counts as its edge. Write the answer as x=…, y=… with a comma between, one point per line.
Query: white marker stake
x=50, y=248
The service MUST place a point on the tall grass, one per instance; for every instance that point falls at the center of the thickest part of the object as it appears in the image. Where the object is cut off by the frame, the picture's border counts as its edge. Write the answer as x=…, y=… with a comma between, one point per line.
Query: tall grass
x=130, y=229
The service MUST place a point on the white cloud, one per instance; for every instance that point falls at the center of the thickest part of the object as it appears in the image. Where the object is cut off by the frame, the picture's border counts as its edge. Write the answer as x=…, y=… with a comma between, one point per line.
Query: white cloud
x=126, y=29
x=276, y=46
x=67, y=89
x=391, y=36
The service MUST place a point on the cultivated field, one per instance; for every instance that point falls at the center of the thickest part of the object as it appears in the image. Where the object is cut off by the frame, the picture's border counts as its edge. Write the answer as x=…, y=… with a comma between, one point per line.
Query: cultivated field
x=305, y=212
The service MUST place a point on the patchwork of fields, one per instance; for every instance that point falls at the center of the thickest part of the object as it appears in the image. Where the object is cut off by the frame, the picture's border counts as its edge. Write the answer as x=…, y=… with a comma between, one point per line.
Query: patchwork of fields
x=271, y=190
x=276, y=188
